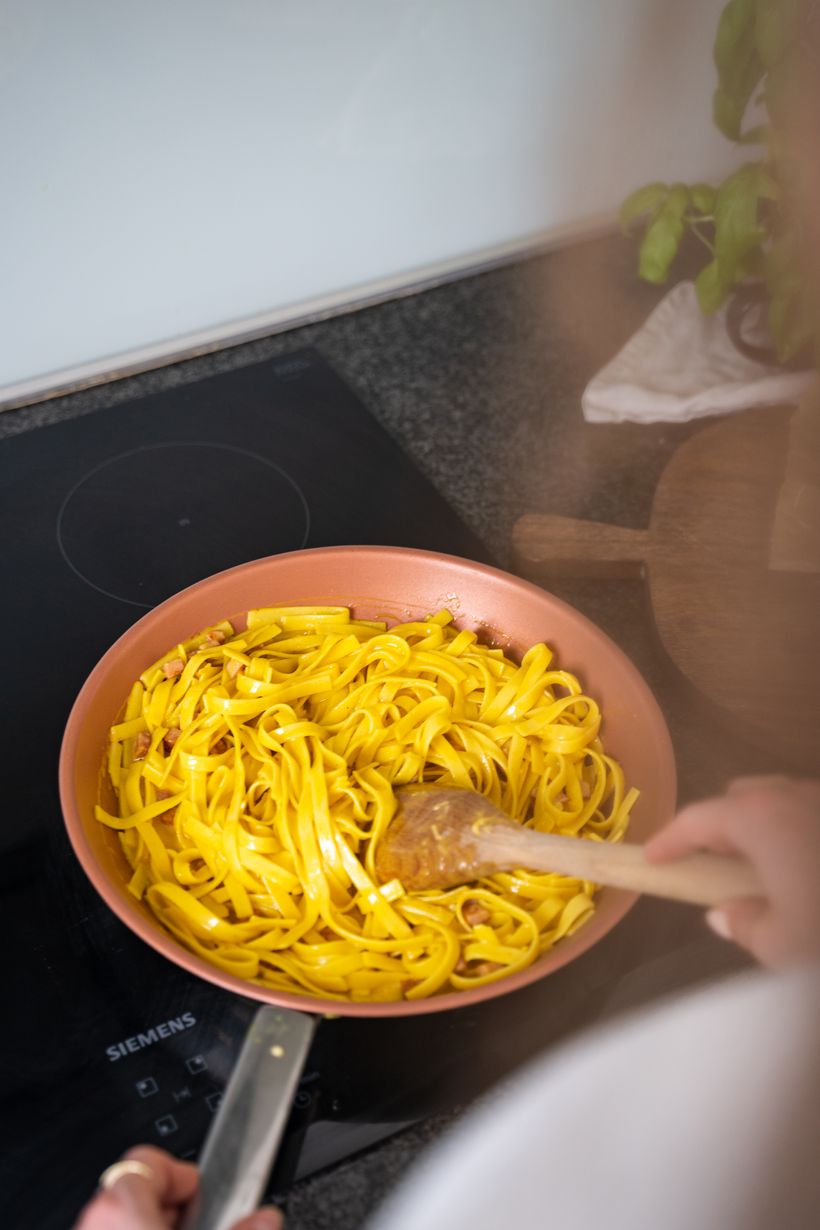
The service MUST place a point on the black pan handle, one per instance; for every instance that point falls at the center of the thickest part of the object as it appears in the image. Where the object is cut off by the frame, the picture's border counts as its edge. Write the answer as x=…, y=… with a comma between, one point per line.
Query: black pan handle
x=242, y=1143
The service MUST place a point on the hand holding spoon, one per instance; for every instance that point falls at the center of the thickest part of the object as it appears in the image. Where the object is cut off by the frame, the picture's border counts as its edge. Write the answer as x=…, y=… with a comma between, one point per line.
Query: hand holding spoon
x=443, y=836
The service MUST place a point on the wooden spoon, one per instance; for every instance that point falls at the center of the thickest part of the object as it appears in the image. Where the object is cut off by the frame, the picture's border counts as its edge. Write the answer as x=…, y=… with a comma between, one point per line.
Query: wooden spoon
x=442, y=837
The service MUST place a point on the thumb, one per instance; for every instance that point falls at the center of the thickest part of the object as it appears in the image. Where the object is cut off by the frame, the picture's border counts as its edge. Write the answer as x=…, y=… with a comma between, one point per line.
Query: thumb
x=747, y=921
x=261, y=1219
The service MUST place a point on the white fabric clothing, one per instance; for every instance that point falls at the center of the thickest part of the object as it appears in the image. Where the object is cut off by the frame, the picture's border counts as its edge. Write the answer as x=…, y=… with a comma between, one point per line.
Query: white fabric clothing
x=700, y=1114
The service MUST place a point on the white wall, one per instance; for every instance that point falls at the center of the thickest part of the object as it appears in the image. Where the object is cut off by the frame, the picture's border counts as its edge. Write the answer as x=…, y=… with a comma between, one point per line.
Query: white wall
x=174, y=166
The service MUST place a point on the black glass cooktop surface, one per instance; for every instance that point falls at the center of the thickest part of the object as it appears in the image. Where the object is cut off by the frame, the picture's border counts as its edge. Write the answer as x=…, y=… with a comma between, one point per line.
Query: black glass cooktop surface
x=103, y=1043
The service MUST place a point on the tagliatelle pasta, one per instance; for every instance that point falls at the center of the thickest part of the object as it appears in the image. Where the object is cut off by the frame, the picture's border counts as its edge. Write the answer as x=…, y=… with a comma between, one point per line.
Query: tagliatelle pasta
x=254, y=769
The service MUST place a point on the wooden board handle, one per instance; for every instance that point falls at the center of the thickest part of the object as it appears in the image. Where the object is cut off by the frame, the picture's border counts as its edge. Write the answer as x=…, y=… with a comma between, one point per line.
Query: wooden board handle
x=701, y=879
x=546, y=545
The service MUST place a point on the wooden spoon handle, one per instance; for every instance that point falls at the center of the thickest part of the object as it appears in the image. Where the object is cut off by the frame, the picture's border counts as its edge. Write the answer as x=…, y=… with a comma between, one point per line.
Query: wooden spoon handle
x=701, y=879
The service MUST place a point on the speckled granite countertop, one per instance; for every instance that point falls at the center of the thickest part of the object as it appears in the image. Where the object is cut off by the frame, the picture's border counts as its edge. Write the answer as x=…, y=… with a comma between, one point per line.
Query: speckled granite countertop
x=480, y=381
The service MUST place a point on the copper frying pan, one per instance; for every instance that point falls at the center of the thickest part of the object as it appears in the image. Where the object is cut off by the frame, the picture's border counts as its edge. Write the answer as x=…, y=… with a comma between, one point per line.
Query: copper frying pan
x=376, y=582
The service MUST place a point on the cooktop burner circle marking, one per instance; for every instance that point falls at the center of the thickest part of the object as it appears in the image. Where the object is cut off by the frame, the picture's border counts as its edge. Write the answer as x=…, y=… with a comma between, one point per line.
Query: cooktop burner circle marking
x=202, y=521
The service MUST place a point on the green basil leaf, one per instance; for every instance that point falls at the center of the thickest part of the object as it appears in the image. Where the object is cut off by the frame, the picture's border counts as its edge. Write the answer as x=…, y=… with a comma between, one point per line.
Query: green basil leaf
x=727, y=115
x=645, y=200
x=740, y=68
x=737, y=21
x=774, y=26
x=711, y=287
x=788, y=322
x=703, y=197
x=660, y=245
x=678, y=200
x=751, y=265
x=737, y=227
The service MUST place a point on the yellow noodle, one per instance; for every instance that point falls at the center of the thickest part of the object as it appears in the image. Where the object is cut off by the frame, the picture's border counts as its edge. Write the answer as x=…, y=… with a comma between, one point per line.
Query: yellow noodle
x=254, y=772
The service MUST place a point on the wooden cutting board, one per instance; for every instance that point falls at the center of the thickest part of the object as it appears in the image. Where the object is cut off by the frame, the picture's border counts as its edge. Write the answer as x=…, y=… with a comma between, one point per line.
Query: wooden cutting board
x=732, y=564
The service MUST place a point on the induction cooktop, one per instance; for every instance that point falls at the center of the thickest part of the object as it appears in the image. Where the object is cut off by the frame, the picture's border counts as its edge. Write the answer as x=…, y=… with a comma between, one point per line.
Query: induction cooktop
x=103, y=1042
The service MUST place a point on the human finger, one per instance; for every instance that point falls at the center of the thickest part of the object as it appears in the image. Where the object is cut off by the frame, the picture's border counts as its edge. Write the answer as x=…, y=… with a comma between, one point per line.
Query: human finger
x=261, y=1219
x=140, y=1192
x=749, y=923
x=126, y=1200
x=699, y=826
x=104, y=1212
x=772, y=781
x=805, y=788
x=174, y=1182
